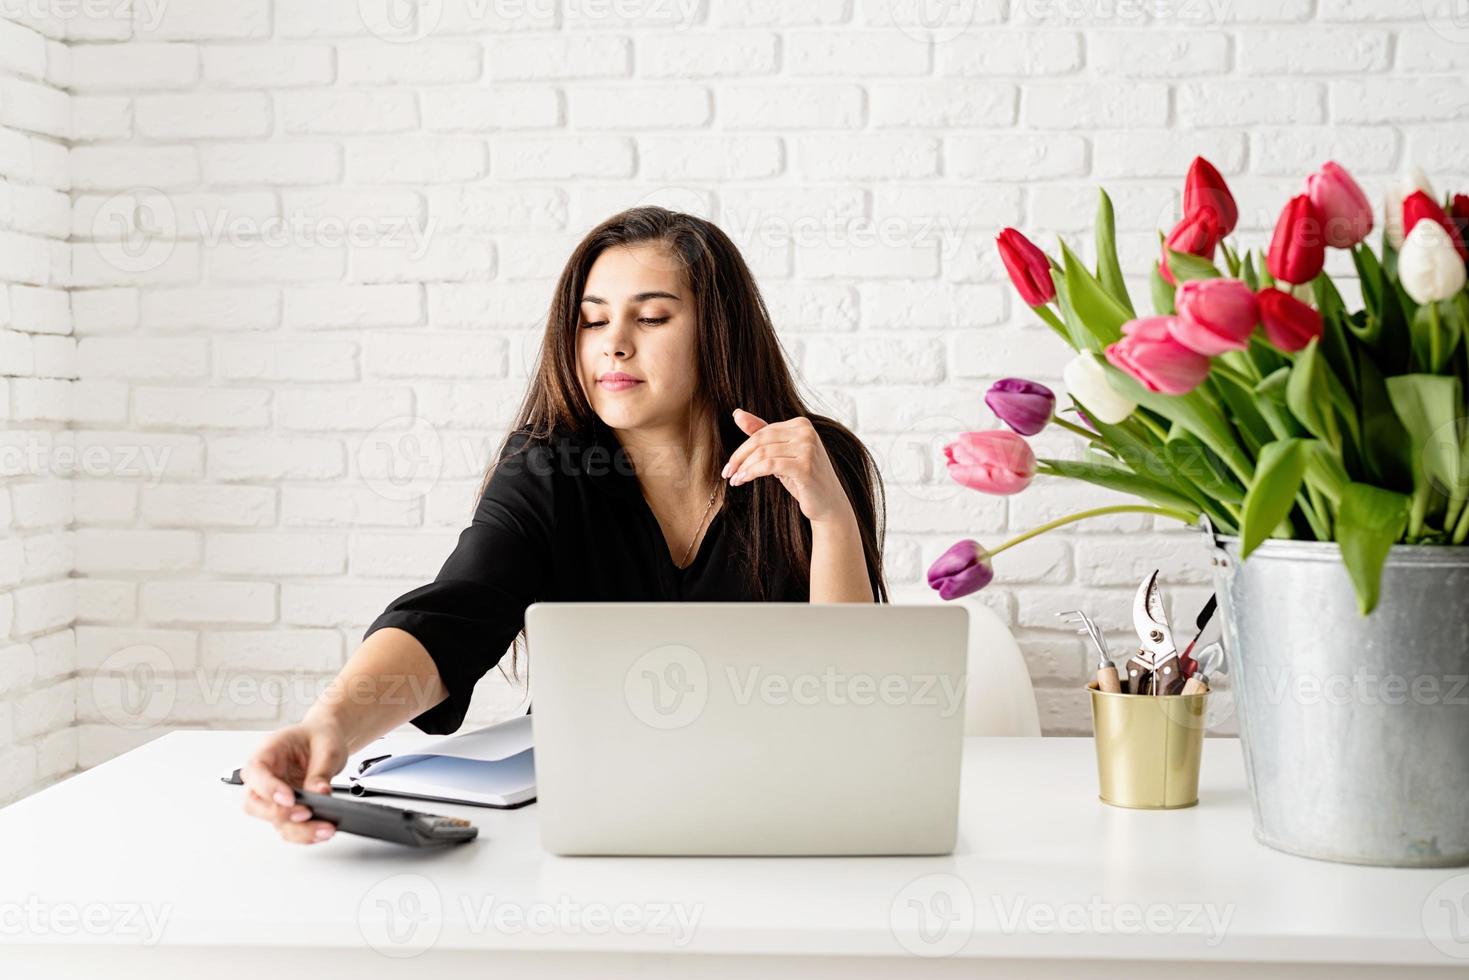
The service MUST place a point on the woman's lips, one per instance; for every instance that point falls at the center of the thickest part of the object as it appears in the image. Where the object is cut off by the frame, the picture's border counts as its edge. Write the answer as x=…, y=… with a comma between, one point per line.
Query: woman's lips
x=618, y=384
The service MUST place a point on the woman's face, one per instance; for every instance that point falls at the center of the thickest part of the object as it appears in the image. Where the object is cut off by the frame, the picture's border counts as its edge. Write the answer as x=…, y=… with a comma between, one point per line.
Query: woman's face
x=637, y=319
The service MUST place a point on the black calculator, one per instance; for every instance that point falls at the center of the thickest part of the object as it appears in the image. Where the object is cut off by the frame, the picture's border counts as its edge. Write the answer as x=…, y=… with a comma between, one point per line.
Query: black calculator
x=388, y=823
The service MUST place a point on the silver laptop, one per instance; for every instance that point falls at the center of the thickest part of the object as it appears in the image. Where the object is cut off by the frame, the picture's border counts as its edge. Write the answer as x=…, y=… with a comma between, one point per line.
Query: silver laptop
x=781, y=728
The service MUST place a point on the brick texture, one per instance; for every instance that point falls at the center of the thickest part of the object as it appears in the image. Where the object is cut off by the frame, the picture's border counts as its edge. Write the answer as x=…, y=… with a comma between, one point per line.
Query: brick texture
x=252, y=253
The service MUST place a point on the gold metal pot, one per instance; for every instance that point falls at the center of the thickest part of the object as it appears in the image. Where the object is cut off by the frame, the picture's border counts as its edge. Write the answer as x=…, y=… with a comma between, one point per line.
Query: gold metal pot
x=1148, y=748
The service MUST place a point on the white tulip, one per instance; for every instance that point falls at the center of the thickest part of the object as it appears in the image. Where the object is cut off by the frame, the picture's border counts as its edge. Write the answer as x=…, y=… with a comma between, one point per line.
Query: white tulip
x=1429, y=267
x=1392, y=205
x=1087, y=382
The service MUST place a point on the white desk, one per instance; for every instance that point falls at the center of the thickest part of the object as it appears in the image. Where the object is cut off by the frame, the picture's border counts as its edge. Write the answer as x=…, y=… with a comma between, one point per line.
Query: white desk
x=1045, y=875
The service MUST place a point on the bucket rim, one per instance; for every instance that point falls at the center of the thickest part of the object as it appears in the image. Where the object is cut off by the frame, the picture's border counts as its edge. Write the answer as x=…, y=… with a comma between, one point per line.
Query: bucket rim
x=1330, y=551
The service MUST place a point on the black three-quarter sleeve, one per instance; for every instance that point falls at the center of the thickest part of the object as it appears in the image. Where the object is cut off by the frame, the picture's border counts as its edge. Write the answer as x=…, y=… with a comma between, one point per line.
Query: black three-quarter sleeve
x=469, y=615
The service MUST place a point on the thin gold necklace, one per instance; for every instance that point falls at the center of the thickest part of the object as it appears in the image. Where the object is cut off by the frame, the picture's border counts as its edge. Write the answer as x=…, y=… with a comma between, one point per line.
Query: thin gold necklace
x=686, y=554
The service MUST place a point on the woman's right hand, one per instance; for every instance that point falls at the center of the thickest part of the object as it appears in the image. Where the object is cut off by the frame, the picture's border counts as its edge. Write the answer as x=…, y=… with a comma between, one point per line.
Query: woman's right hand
x=307, y=755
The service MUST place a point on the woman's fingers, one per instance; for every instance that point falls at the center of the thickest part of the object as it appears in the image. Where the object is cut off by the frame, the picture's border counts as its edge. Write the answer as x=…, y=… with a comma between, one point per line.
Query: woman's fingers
x=258, y=777
x=759, y=463
x=293, y=822
x=768, y=436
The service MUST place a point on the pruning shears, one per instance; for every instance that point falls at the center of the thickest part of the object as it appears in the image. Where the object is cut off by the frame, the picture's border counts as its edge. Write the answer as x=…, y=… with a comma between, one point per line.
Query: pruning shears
x=1155, y=668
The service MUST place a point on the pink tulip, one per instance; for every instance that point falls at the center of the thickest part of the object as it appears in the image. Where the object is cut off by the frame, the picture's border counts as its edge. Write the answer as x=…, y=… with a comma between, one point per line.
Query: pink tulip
x=994, y=461
x=1345, y=214
x=1214, y=316
x=1148, y=352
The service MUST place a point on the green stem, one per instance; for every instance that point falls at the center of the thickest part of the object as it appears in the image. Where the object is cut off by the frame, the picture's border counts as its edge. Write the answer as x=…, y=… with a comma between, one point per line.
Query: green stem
x=1418, y=511
x=1153, y=427
x=1462, y=531
x=1085, y=433
x=1096, y=512
x=1435, y=338
x=1235, y=376
x=1240, y=361
x=1053, y=322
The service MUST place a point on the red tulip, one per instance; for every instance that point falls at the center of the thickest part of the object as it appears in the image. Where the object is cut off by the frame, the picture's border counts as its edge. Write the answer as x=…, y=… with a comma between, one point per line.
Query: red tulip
x=1028, y=267
x=995, y=461
x=1204, y=190
x=1418, y=206
x=1197, y=234
x=1459, y=212
x=1149, y=353
x=1298, y=250
x=1289, y=324
x=1214, y=316
x=1343, y=208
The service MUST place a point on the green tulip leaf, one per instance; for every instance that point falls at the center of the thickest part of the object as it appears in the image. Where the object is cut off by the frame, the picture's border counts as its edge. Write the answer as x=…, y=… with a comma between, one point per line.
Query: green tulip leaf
x=1096, y=310
x=1278, y=476
x=1185, y=266
x=1307, y=394
x=1109, y=270
x=1325, y=472
x=1075, y=333
x=1387, y=450
x=1369, y=521
x=1430, y=406
x=1163, y=294
x=1116, y=478
x=1194, y=461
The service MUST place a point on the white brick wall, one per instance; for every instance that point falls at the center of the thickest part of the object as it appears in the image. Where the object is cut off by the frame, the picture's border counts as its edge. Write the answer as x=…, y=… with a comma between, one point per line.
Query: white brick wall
x=39, y=388
x=355, y=230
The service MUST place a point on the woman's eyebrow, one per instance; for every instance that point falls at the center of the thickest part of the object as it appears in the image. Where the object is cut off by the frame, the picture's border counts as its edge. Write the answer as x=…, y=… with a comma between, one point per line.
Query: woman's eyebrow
x=639, y=298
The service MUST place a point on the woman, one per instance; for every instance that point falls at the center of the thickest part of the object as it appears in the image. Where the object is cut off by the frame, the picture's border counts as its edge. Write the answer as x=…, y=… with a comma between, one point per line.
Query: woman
x=635, y=472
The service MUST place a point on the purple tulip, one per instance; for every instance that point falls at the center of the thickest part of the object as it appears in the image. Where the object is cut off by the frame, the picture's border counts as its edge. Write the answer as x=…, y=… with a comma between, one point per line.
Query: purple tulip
x=963, y=569
x=1023, y=405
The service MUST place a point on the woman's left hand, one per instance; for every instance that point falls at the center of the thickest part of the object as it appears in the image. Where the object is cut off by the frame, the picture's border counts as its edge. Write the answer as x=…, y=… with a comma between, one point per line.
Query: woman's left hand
x=792, y=452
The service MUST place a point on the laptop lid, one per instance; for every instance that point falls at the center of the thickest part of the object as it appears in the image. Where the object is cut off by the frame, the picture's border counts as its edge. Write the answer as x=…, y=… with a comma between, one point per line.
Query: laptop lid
x=747, y=728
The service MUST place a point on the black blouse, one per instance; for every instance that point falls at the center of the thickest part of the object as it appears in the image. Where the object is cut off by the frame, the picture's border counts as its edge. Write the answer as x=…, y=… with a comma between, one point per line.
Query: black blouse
x=562, y=519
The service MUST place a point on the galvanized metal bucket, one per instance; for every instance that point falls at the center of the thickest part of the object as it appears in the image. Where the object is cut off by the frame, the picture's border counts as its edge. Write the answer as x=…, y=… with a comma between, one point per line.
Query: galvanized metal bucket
x=1355, y=729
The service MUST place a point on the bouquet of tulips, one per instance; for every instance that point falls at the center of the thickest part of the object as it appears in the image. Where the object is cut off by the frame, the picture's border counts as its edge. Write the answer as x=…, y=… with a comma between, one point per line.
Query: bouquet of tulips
x=1253, y=395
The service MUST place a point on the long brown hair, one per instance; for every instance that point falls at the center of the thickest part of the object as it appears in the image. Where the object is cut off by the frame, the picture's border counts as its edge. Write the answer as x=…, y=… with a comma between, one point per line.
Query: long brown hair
x=740, y=363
